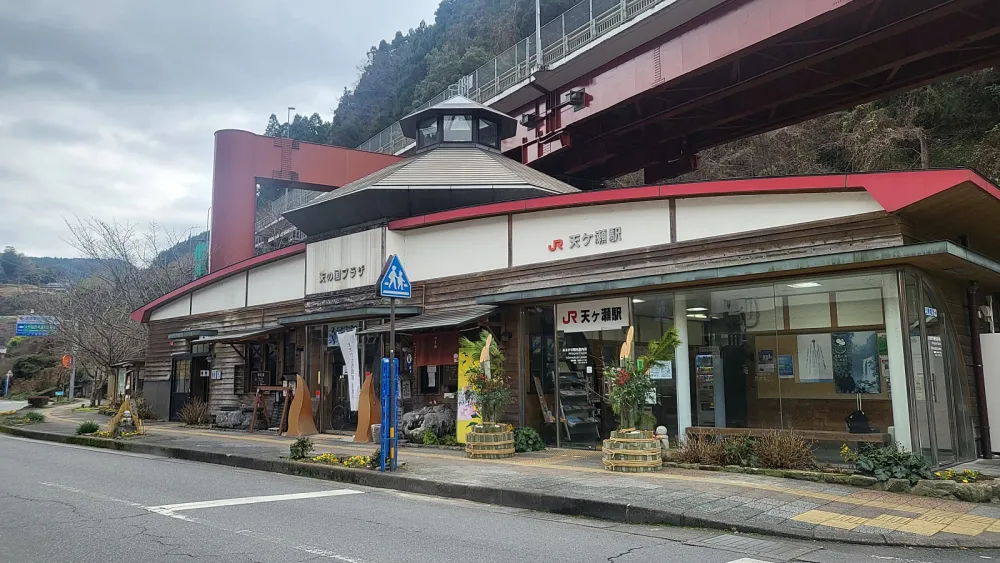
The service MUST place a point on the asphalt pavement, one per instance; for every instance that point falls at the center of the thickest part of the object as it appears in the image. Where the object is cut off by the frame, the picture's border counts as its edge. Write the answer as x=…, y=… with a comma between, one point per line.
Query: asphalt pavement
x=6, y=405
x=62, y=503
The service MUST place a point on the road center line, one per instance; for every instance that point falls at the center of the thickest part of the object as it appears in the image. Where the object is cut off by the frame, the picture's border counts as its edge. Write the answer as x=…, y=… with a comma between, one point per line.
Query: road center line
x=170, y=508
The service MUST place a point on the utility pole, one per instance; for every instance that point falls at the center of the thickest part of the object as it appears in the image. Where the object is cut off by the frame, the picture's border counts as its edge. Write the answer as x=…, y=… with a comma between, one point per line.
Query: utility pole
x=72, y=373
x=538, y=33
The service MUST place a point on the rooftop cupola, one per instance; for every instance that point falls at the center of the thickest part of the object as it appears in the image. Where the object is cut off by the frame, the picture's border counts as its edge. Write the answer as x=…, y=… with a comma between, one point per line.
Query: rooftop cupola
x=458, y=121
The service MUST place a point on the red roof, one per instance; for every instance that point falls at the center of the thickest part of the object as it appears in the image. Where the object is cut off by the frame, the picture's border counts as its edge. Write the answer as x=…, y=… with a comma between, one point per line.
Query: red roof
x=892, y=190
x=142, y=313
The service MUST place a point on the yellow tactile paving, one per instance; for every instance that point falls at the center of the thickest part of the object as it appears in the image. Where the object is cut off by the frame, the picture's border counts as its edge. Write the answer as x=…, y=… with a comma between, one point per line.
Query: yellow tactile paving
x=815, y=516
x=889, y=522
x=846, y=522
x=939, y=517
x=966, y=527
x=933, y=515
x=921, y=528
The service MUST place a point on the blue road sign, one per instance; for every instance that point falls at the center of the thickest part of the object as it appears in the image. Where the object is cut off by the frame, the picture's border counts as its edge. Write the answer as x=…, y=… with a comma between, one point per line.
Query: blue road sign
x=394, y=282
x=33, y=325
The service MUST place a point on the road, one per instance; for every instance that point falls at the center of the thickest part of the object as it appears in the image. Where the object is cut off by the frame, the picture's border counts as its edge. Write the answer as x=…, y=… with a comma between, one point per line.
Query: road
x=69, y=503
x=11, y=405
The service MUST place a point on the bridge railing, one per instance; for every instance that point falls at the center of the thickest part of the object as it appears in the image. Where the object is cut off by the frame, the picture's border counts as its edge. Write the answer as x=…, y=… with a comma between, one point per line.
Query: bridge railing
x=576, y=28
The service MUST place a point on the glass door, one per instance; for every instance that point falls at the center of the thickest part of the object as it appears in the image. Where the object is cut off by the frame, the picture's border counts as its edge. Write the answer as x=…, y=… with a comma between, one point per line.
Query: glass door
x=934, y=399
x=180, y=387
x=940, y=397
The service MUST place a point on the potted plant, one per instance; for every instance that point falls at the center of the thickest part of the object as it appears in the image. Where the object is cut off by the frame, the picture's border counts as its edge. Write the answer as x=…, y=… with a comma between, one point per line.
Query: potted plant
x=489, y=394
x=630, y=449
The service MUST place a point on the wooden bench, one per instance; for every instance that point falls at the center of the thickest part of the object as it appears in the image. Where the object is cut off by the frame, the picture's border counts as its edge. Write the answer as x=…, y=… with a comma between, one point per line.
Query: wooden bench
x=880, y=438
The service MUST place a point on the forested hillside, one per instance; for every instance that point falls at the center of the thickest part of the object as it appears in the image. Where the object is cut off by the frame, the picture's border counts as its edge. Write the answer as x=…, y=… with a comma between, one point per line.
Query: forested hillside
x=952, y=123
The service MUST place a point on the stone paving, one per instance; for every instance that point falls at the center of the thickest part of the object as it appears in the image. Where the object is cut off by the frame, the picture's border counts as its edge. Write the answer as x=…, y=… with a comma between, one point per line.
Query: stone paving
x=781, y=506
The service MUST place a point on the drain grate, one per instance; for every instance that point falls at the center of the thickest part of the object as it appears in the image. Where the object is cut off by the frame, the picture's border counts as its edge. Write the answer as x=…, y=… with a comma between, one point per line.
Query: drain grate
x=775, y=550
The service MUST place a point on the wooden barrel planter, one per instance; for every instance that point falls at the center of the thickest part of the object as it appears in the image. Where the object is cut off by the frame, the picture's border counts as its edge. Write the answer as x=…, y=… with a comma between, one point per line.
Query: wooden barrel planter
x=489, y=441
x=632, y=451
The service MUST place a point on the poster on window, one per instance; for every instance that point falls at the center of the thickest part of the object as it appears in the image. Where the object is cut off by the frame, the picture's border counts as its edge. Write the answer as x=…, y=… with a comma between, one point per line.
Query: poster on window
x=815, y=358
x=786, y=366
x=348, y=341
x=765, y=362
x=856, y=363
x=661, y=370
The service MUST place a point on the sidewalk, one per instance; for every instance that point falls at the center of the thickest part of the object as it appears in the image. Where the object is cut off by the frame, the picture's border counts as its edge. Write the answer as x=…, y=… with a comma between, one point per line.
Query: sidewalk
x=573, y=482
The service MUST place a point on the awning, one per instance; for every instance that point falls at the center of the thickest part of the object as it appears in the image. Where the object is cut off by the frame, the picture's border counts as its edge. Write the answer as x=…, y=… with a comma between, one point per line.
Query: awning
x=445, y=318
x=348, y=314
x=943, y=257
x=191, y=334
x=243, y=336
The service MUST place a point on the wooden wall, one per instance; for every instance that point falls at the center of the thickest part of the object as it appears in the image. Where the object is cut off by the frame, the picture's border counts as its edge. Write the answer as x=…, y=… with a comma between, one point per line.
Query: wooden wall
x=159, y=351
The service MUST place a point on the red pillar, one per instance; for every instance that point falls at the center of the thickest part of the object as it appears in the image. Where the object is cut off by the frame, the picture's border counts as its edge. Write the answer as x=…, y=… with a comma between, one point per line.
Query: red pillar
x=234, y=198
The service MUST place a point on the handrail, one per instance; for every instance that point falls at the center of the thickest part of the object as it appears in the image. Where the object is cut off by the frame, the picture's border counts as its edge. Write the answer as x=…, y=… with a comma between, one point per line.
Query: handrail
x=577, y=27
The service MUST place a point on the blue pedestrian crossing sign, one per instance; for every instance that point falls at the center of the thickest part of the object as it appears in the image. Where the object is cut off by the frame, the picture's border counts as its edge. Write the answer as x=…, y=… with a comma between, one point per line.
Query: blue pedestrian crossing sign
x=394, y=282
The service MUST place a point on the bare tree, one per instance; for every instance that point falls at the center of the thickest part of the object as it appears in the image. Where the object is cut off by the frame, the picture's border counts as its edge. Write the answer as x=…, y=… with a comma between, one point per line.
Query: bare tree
x=132, y=268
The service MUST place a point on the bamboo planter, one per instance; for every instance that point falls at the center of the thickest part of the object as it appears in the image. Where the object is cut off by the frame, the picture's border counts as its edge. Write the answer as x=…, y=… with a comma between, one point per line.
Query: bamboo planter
x=632, y=451
x=489, y=441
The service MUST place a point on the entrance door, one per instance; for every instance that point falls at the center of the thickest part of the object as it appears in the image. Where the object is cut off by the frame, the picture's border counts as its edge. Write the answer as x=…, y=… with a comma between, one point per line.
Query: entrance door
x=200, y=383
x=933, y=393
x=180, y=386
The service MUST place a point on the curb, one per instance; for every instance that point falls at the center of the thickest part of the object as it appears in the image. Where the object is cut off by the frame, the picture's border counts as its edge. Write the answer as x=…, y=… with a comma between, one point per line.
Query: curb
x=511, y=498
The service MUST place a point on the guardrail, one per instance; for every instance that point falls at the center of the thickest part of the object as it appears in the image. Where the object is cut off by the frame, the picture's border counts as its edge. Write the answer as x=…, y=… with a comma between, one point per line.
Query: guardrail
x=576, y=28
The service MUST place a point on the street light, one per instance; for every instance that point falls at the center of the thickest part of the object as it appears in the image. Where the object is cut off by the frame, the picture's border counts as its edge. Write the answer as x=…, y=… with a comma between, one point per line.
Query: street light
x=288, y=122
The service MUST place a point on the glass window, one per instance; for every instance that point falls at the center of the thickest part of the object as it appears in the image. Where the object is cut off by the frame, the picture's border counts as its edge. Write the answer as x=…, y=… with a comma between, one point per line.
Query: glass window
x=802, y=354
x=458, y=128
x=653, y=316
x=427, y=133
x=489, y=134
x=182, y=376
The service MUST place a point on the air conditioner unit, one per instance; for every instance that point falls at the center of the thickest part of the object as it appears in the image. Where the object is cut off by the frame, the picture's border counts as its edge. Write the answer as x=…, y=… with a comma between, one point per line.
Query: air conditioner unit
x=529, y=120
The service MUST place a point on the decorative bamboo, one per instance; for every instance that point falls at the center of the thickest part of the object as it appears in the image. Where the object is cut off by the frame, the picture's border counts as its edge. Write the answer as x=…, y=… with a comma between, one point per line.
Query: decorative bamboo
x=489, y=441
x=632, y=451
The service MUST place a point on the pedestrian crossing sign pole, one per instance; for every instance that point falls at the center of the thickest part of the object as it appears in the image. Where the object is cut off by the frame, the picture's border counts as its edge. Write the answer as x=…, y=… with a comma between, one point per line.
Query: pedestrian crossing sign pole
x=394, y=284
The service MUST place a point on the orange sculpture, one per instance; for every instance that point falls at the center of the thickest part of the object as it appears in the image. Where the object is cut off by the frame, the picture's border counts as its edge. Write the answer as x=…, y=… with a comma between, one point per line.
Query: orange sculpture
x=369, y=411
x=300, y=416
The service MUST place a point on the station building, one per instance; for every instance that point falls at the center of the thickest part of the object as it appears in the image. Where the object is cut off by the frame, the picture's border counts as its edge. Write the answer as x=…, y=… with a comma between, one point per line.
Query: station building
x=845, y=307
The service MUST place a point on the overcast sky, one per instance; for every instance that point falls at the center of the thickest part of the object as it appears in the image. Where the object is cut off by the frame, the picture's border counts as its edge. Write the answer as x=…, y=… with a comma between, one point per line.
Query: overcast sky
x=108, y=107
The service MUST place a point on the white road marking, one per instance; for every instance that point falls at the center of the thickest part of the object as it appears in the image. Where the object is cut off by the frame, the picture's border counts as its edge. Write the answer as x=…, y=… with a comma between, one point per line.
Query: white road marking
x=97, y=496
x=171, y=509
x=748, y=560
x=311, y=550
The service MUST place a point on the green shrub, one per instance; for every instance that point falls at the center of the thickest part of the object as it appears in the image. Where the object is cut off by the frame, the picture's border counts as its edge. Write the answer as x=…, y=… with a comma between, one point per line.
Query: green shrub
x=301, y=449
x=449, y=440
x=195, y=412
x=34, y=417
x=141, y=408
x=430, y=438
x=88, y=427
x=784, y=449
x=888, y=462
x=38, y=402
x=779, y=449
x=647, y=422
x=527, y=440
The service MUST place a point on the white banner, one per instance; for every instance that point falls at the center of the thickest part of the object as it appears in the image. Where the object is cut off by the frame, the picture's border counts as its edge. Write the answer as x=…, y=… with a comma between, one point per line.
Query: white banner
x=349, y=348
x=599, y=314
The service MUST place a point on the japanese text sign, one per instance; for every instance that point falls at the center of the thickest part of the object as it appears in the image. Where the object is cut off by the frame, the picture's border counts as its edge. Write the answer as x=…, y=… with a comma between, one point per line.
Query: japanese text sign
x=600, y=314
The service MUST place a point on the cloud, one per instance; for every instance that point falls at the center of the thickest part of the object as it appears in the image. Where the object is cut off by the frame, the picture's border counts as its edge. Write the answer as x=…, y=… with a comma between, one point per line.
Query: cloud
x=108, y=107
